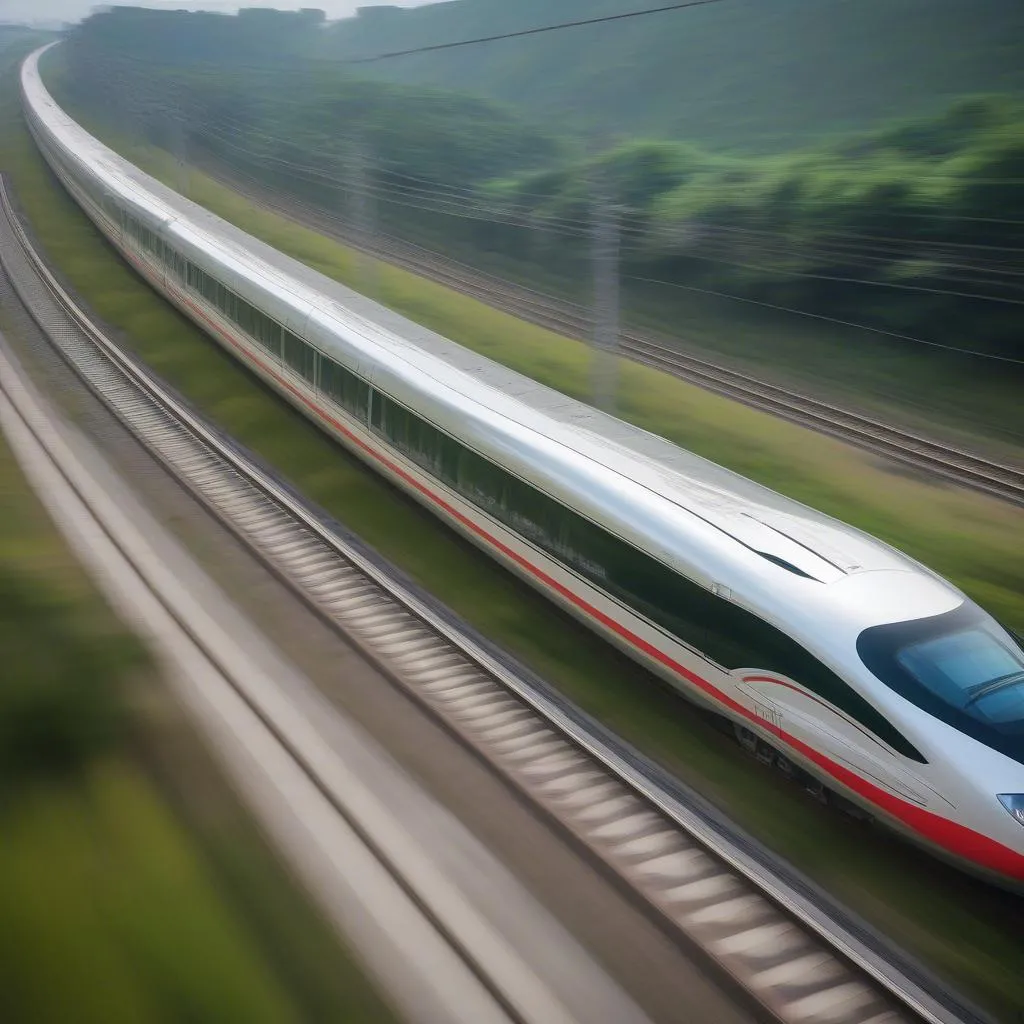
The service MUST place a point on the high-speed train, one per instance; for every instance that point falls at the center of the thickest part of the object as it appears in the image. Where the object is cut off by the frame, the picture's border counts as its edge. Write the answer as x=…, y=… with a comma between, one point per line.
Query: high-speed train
x=836, y=655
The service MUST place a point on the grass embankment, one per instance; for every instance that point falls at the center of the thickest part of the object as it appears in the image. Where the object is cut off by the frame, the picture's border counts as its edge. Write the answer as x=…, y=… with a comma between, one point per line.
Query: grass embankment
x=133, y=888
x=965, y=930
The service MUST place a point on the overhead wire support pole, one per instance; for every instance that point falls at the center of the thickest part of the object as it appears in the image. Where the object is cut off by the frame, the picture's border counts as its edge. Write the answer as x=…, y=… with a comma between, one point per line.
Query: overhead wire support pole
x=605, y=256
x=180, y=141
x=362, y=211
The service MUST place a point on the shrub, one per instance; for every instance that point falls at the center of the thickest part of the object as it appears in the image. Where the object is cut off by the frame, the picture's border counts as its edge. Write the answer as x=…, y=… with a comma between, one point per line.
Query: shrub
x=60, y=685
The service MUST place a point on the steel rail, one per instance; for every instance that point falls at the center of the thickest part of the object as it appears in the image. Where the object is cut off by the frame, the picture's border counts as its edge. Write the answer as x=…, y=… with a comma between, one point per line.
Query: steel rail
x=924, y=454
x=800, y=957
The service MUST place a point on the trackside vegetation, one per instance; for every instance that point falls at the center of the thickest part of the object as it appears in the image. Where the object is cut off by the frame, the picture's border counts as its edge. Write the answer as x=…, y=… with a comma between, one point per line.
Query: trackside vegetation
x=133, y=887
x=964, y=929
x=873, y=260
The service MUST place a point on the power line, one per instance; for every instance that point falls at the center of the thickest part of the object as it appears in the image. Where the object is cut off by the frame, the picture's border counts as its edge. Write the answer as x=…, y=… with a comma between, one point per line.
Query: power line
x=432, y=48
x=543, y=296
x=858, y=252
x=529, y=31
x=714, y=249
x=546, y=297
x=827, y=319
x=646, y=280
x=460, y=202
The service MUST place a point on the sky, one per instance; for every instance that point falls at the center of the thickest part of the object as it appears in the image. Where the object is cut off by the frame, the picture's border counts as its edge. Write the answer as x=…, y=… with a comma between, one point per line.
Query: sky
x=72, y=10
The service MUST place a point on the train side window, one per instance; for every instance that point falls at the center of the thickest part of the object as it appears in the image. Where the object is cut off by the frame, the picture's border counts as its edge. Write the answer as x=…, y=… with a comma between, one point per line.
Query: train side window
x=344, y=388
x=299, y=356
x=273, y=338
x=268, y=333
x=244, y=314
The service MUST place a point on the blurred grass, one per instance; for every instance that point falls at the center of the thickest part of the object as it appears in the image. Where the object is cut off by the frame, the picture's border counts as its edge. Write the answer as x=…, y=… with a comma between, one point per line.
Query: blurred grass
x=109, y=916
x=967, y=931
x=120, y=900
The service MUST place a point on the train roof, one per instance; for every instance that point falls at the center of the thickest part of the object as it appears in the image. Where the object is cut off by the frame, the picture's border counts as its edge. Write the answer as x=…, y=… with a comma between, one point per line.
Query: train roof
x=765, y=546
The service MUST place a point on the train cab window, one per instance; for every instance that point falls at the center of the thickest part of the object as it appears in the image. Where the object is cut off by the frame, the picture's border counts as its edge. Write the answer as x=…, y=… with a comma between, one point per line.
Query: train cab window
x=961, y=667
x=972, y=670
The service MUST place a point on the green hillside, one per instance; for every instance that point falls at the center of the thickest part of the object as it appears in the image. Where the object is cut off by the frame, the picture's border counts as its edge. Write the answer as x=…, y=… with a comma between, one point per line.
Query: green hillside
x=756, y=73
x=907, y=231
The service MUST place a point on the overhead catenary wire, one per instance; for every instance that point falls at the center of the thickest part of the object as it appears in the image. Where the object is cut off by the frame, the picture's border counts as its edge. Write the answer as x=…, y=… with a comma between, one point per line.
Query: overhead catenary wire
x=933, y=246
x=717, y=245
x=461, y=206
x=421, y=199
x=431, y=201
x=536, y=31
x=829, y=319
x=847, y=249
x=715, y=253
x=547, y=297
x=734, y=189
x=845, y=246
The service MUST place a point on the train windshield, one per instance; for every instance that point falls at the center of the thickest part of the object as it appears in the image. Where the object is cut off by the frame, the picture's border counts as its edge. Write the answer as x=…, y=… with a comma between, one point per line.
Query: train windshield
x=961, y=667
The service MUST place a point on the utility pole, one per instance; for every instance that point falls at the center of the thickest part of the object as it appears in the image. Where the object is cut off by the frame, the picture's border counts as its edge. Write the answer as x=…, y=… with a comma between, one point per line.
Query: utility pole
x=180, y=152
x=605, y=256
x=362, y=212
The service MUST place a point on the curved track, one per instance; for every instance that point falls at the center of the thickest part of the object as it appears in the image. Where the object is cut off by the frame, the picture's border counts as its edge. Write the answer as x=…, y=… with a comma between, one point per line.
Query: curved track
x=953, y=464
x=800, y=958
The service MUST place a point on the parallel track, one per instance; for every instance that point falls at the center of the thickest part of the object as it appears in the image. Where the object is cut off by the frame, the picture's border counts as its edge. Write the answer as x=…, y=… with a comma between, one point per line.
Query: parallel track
x=798, y=957
x=952, y=464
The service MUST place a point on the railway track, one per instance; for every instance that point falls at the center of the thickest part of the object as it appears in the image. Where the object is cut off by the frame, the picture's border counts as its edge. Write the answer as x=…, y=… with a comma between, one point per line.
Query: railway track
x=799, y=958
x=329, y=826
x=921, y=453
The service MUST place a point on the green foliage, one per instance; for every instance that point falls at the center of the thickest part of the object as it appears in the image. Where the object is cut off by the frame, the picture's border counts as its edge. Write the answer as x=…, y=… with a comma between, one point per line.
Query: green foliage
x=898, y=228
x=110, y=915
x=256, y=36
x=60, y=704
x=639, y=172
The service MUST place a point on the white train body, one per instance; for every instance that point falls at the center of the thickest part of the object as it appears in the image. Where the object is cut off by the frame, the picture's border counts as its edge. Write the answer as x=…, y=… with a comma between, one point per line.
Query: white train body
x=756, y=606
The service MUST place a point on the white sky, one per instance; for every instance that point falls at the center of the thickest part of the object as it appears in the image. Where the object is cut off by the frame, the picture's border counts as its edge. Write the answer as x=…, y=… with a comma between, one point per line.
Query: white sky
x=72, y=10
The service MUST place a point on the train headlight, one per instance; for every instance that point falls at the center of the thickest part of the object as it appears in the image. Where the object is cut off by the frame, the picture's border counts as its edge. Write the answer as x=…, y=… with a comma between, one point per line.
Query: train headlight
x=1014, y=803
